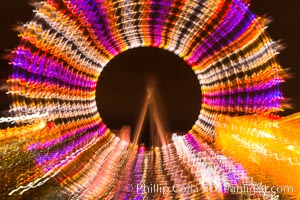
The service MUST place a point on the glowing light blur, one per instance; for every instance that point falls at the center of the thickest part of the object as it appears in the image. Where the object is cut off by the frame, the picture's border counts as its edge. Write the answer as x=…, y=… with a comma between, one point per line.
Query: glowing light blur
x=60, y=135
x=268, y=149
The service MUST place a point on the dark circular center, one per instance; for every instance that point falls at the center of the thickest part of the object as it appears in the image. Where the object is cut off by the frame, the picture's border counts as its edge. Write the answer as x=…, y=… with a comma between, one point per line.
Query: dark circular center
x=122, y=88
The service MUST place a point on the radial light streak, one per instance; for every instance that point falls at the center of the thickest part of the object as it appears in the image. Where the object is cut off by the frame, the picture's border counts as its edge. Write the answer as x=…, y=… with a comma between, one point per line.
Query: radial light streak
x=60, y=135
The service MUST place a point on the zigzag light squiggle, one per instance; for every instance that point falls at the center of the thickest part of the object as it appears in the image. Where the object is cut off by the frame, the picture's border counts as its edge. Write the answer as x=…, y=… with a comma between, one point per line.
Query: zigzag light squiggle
x=62, y=52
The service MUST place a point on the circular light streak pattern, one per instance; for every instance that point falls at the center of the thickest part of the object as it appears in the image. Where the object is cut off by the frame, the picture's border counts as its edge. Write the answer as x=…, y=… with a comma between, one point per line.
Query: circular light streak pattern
x=59, y=132
x=67, y=44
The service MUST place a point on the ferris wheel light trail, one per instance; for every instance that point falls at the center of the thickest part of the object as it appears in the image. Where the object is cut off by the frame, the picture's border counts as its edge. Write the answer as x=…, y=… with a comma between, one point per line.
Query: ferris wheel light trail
x=60, y=146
